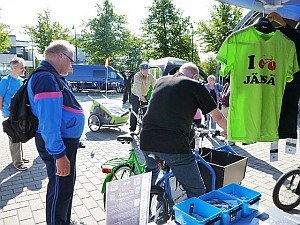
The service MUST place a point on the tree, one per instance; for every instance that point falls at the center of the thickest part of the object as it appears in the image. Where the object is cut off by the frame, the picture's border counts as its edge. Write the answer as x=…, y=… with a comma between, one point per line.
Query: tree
x=166, y=32
x=46, y=31
x=209, y=66
x=131, y=55
x=105, y=36
x=4, y=39
x=222, y=21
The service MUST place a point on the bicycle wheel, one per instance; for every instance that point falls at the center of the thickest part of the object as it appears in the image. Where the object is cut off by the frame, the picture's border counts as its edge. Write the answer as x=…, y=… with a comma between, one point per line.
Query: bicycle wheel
x=158, y=209
x=94, y=122
x=122, y=172
x=284, y=192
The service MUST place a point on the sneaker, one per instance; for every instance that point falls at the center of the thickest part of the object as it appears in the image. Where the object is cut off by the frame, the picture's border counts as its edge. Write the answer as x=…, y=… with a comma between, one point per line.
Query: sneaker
x=81, y=145
x=21, y=167
x=25, y=160
x=231, y=143
x=75, y=222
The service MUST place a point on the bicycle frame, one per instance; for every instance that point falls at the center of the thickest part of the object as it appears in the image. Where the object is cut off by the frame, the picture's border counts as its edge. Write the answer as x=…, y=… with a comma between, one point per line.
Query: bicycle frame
x=112, y=165
x=164, y=181
x=139, y=117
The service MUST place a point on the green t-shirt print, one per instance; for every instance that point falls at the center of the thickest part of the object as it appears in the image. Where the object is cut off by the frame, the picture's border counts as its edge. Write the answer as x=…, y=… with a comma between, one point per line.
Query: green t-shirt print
x=259, y=65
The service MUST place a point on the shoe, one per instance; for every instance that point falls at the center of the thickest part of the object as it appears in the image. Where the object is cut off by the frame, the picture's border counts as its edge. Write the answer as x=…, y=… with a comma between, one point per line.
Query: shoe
x=25, y=160
x=231, y=143
x=81, y=145
x=21, y=167
x=75, y=222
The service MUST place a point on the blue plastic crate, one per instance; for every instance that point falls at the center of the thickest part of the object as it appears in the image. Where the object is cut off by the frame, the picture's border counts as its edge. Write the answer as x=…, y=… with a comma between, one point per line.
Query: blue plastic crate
x=201, y=212
x=230, y=214
x=249, y=197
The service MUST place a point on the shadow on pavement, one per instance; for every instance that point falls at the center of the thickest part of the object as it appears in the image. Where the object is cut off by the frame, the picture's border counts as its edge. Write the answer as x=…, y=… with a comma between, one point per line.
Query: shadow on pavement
x=253, y=162
x=105, y=133
x=15, y=182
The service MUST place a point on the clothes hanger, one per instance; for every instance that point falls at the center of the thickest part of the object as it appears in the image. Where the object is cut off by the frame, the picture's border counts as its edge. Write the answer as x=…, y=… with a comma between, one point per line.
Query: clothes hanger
x=264, y=25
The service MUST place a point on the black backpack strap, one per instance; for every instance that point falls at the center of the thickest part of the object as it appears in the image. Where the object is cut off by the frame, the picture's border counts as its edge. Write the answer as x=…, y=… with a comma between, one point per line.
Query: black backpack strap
x=42, y=68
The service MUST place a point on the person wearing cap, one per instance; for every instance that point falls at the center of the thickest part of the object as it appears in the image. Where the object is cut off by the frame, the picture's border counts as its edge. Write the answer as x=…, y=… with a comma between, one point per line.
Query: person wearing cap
x=141, y=85
x=289, y=108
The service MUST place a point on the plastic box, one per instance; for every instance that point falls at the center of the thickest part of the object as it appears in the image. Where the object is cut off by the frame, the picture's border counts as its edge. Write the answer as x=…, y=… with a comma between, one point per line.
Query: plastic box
x=228, y=216
x=208, y=213
x=229, y=168
x=249, y=197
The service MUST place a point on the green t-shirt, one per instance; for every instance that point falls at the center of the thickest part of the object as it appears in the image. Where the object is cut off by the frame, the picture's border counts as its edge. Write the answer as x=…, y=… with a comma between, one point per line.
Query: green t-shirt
x=259, y=65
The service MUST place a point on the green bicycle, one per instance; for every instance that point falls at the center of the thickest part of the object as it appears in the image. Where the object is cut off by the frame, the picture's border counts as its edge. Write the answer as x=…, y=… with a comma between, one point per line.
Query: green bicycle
x=121, y=168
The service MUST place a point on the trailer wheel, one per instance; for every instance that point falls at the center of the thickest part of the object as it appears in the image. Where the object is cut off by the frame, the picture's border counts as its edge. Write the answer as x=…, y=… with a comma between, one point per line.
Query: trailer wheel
x=94, y=122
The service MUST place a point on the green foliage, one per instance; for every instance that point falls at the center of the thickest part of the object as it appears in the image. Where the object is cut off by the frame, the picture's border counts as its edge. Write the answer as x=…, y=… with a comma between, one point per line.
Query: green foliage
x=131, y=56
x=4, y=39
x=166, y=32
x=222, y=21
x=105, y=36
x=46, y=31
x=209, y=65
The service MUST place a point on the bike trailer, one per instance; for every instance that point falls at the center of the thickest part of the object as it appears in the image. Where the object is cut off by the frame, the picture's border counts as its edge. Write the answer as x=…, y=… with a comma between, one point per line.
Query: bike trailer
x=195, y=211
x=249, y=197
x=109, y=113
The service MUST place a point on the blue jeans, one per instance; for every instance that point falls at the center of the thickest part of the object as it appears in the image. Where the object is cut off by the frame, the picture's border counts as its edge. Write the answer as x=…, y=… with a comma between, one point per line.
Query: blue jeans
x=211, y=124
x=184, y=168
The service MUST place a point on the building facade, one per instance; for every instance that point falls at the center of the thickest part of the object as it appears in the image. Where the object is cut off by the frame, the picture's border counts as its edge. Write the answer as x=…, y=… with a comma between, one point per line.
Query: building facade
x=18, y=48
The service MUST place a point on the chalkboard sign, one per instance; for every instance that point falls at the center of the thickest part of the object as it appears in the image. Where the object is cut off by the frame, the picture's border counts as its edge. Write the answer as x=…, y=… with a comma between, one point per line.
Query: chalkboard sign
x=127, y=200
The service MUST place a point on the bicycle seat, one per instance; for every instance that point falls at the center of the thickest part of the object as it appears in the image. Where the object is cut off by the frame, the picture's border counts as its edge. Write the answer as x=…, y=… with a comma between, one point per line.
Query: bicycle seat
x=125, y=137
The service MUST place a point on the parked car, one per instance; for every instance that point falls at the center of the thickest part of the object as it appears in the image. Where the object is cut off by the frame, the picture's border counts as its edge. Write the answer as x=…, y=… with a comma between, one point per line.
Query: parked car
x=95, y=77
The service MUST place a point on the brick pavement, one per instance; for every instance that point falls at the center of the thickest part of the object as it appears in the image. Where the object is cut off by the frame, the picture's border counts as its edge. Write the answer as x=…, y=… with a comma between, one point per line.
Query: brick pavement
x=22, y=194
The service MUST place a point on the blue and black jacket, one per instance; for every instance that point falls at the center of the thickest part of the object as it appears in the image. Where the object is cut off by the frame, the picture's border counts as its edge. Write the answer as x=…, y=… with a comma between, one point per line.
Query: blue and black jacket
x=59, y=113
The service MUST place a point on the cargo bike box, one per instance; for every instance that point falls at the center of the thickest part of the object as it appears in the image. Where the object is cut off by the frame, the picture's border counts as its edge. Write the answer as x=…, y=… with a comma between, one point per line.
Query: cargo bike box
x=220, y=167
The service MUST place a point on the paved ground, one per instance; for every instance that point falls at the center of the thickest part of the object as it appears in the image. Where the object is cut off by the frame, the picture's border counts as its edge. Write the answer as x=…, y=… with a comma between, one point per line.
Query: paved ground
x=22, y=194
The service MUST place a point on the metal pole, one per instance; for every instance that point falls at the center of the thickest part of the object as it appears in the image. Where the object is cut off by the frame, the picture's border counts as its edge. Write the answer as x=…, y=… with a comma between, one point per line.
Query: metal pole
x=76, y=57
x=192, y=42
x=32, y=56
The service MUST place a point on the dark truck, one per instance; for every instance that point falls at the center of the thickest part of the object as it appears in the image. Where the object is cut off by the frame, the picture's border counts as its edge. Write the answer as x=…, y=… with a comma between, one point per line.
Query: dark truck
x=95, y=77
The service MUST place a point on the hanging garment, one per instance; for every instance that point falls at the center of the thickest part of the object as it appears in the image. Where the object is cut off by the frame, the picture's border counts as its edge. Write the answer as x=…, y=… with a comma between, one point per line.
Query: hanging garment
x=289, y=109
x=260, y=65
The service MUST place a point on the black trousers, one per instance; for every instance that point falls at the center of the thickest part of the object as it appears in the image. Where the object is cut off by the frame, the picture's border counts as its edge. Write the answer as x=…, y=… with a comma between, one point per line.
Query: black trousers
x=60, y=189
x=126, y=94
x=135, y=103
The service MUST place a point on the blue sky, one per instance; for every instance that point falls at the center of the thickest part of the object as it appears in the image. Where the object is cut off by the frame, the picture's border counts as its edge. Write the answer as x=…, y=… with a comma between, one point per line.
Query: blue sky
x=19, y=13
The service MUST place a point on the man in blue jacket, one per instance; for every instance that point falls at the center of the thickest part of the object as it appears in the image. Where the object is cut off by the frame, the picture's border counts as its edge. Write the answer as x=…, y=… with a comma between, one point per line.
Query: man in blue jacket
x=61, y=123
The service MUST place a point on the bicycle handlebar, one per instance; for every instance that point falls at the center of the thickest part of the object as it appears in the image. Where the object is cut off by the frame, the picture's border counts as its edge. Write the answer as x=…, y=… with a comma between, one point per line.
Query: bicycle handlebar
x=202, y=132
x=143, y=104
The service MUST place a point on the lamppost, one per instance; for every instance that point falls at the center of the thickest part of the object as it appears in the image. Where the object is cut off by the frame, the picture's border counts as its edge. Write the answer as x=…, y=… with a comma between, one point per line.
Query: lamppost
x=32, y=55
x=192, y=28
x=76, y=56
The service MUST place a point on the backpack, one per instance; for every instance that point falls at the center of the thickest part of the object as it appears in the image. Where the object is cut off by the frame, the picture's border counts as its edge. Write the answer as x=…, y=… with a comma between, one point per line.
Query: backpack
x=22, y=124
